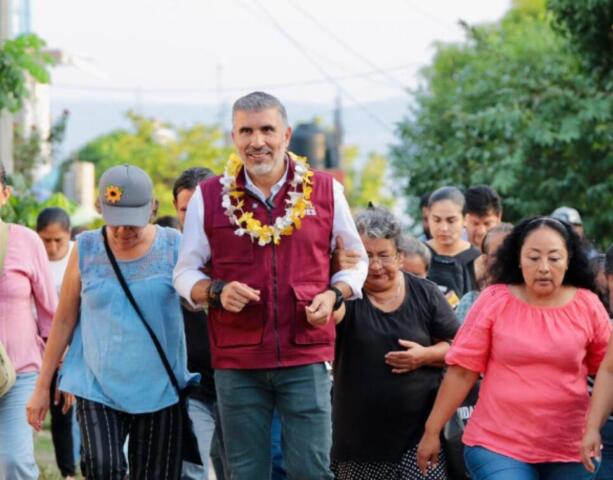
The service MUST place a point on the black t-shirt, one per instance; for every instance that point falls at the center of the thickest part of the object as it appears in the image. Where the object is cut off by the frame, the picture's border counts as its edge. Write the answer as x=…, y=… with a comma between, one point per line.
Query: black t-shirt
x=199, y=353
x=457, y=273
x=378, y=415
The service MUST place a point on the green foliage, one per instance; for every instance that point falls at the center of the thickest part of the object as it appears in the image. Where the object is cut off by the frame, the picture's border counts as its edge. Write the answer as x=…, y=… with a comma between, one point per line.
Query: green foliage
x=589, y=24
x=365, y=184
x=162, y=150
x=512, y=107
x=27, y=150
x=19, y=57
x=23, y=207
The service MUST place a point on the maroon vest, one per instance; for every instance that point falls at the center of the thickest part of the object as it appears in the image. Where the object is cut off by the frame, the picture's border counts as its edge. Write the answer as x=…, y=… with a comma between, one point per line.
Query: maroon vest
x=272, y=332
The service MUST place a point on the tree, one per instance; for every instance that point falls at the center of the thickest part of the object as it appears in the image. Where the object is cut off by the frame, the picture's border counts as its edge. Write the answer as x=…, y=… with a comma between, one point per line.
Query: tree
x=513, y=107
x=162, y=150
x=19, y=58
x=366, y=183
x=588, y=24
x=27, y=151
x=23, y=207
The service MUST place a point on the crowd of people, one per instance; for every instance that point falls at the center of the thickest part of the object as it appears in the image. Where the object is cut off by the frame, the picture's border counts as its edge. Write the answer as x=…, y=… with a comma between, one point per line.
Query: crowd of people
x=268, y=331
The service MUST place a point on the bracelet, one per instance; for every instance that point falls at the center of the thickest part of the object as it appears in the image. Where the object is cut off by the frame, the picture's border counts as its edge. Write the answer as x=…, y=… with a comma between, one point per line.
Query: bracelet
x=214, y=293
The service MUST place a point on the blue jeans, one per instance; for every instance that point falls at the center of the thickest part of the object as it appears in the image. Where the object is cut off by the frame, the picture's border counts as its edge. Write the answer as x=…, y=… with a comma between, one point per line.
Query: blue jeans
x=202, y=415
x=16, y=443
x=278, y=472
x=605, y=472
x=246, y=400
x=483, y=464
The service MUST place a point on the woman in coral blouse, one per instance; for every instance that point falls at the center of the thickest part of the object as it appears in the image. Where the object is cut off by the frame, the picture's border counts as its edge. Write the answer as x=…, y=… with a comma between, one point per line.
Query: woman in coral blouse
x=535, y=334
x=25, y=280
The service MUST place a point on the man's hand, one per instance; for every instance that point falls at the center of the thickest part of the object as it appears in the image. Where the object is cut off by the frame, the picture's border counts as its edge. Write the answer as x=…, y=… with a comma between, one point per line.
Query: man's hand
x=343, y=259
x=235, y=295
x=319, y=311
x=404, y=361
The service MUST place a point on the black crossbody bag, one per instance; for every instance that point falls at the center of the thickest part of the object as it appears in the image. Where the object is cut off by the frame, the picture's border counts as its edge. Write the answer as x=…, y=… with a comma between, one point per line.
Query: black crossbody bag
x=189, y=450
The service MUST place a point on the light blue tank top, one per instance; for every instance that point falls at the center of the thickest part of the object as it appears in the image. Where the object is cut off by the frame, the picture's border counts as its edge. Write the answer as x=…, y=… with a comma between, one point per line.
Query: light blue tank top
x=111, y=359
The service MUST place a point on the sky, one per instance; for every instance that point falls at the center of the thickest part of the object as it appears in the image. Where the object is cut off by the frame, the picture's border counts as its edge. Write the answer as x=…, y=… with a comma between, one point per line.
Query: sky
x=212, y=51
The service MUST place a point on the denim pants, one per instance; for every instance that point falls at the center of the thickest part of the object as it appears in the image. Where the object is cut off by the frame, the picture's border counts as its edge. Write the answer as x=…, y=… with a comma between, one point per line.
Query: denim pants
x=202, y=414
x=246, y=400
x=278, y=472
x=483, y=464
x=16, y=443
x=605, y=472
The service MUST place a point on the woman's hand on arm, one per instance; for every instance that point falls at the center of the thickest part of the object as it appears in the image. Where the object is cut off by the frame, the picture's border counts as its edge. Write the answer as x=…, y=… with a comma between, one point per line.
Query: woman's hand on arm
x=416, y=355
x=343, y=259
x=62, y=327
x=455, y=387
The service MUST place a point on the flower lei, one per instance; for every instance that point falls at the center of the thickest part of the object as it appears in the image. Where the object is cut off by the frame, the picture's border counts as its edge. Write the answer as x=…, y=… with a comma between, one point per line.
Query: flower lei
x=297, y=202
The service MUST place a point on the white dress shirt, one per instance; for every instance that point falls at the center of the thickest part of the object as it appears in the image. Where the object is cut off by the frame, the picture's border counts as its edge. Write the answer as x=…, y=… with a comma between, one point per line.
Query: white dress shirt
x=195, y=250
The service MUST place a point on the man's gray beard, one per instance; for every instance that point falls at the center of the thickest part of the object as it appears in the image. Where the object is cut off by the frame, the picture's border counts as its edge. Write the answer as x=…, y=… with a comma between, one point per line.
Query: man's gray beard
x=262, y=169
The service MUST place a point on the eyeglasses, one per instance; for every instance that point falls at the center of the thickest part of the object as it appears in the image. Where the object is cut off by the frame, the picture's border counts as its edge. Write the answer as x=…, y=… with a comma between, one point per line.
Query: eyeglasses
x=382, y=259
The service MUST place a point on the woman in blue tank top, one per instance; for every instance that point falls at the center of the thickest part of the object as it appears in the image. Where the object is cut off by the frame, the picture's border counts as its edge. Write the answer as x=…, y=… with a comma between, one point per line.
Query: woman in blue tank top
x=112, y=366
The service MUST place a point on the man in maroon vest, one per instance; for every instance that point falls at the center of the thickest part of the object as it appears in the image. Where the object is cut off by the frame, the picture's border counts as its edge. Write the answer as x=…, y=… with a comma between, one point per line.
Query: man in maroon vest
x=267, y=228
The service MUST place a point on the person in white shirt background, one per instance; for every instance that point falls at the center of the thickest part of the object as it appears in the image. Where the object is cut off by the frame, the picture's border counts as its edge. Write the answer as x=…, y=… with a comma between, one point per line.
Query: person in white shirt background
x=53, y=227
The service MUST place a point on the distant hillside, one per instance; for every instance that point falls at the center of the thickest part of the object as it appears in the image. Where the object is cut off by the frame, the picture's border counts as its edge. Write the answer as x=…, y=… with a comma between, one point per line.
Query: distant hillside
x=88, y=119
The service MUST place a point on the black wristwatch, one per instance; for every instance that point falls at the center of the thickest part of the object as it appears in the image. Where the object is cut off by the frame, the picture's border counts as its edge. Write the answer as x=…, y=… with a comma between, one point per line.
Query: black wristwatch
x=339, y=298
x=214, y=293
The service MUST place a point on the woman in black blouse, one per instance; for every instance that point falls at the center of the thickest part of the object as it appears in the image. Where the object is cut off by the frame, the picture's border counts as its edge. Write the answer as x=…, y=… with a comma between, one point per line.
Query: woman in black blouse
x=452, y=266
x=389, y=352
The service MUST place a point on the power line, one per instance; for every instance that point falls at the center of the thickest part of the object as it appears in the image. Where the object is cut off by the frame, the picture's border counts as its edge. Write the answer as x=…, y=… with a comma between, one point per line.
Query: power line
x=322, y=70
x=254, y=11
x=347, y=46
x=428, y=15
x=216, y=90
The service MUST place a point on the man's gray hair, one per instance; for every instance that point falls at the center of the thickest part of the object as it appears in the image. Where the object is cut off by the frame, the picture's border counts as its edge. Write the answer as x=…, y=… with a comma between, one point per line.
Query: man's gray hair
x=257, y=102
x=409, y=246
x=378, y=223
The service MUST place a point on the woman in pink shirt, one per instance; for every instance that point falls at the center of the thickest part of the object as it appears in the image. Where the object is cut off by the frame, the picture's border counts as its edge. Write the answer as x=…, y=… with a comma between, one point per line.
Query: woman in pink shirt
x=25, y=281
x=535, y=334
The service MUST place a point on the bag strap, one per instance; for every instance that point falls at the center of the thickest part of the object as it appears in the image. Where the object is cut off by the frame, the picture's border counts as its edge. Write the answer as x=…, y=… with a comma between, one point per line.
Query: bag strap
x=4, y=240
x=126, y=289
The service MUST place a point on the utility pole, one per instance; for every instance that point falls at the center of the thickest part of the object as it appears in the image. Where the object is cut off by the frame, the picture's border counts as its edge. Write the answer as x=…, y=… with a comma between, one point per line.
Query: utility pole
x=6, y=119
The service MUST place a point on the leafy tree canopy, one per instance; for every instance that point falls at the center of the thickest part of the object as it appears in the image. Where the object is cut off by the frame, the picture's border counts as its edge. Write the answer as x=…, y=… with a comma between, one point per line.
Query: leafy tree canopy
x=19, y=57
x=512, y=107
x=365, y=183
x=589, y=24
x=162, y=150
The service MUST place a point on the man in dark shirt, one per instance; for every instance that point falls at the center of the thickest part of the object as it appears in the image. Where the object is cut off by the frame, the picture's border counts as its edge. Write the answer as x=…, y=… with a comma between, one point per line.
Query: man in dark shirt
x=202, y=399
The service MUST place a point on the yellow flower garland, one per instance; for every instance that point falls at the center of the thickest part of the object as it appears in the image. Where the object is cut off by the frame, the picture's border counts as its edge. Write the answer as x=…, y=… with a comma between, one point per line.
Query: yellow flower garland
x=297, y=203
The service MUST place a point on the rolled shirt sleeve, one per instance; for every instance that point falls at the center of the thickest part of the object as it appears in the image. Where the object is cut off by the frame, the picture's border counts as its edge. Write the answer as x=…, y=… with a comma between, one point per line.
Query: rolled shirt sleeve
x=344, y=227
x=194, y=251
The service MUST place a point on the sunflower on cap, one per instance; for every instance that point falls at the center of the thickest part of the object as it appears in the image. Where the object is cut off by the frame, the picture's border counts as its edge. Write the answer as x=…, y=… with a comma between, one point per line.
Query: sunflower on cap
x=113, y=194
